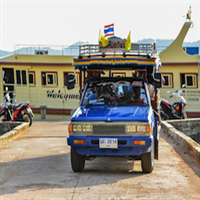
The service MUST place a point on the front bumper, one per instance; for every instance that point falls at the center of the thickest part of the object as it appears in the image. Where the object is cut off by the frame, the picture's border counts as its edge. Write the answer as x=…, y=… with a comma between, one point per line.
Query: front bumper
x=125, y=146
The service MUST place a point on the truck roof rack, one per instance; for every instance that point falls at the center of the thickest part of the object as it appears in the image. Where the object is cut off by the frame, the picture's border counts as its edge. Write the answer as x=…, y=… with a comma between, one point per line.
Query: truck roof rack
x=113, y=55
x=136, y=49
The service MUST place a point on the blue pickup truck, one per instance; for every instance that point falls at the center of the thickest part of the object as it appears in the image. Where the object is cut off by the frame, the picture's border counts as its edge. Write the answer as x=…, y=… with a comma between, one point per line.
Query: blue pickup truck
x=116, y=115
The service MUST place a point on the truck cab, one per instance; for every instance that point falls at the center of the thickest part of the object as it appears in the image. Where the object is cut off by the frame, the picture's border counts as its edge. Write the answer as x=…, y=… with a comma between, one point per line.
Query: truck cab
x=116, y=115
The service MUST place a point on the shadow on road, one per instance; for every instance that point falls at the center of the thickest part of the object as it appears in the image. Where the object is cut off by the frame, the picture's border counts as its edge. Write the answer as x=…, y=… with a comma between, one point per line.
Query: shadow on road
x=55, y=172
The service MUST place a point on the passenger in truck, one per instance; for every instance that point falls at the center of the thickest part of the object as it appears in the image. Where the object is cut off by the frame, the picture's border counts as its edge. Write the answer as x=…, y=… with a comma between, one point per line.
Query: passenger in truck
x=98, y=93
x=137, y=93
x=93, y=74
x=138, y=98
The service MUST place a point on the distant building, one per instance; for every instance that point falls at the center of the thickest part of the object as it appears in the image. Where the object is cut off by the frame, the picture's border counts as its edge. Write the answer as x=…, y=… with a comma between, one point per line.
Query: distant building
x=40, y=78
x=180, y=68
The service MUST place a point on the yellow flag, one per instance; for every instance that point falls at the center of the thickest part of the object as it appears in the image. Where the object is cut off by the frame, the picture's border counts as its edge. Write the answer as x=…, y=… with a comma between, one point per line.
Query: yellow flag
x=102, y=39
x=99, y=39
x=128, y=42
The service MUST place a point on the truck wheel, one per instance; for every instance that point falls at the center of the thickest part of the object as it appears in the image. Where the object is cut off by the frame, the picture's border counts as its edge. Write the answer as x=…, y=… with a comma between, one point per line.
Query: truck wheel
x=148, y=161
x=77, y=161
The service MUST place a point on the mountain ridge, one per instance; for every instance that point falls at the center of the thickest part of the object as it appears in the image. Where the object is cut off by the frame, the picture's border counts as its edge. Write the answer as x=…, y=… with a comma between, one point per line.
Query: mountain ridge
x=74, y=48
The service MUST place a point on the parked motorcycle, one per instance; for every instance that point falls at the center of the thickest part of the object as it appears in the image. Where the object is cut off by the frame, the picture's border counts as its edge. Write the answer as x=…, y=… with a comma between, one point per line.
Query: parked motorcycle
x=22, y=111
x=173, y=110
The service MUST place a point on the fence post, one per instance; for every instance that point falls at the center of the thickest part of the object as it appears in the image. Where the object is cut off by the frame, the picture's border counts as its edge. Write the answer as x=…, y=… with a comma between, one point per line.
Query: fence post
x=43, y=112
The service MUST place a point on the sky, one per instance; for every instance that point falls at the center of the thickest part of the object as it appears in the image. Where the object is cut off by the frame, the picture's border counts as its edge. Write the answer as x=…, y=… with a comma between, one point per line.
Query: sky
x=64, y=22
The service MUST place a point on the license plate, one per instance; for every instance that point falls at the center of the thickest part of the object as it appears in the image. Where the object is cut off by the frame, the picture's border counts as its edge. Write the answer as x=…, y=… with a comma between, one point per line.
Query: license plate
x=110, y=143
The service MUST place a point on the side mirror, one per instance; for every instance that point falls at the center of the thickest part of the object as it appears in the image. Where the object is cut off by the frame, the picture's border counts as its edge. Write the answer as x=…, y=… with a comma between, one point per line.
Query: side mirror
x=157, y=82
x=70, y=81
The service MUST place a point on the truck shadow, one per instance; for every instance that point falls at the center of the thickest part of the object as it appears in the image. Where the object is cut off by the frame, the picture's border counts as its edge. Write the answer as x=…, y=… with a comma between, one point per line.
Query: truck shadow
x=55, y=172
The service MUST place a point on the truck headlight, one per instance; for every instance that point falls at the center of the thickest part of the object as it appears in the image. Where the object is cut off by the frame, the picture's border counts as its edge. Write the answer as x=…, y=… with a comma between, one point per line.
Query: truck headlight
x=141, y=128
x=130, y=128
x=138, y=128
x=77, y=128
x=87, y=128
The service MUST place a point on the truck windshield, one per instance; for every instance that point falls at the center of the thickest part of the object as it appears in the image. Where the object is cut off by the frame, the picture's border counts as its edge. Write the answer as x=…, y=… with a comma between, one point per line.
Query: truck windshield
x=126, y=91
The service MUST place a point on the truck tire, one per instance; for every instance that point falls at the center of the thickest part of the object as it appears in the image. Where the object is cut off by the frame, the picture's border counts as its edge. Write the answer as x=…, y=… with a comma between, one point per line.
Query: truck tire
x=147, y=161
x=77, y=161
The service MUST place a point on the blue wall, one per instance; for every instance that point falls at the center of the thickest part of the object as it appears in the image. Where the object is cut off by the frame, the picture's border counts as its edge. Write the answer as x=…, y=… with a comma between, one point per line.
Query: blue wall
x=192, y=50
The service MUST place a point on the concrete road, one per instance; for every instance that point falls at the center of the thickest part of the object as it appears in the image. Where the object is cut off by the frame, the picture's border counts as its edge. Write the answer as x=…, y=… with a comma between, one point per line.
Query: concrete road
x=36, y=165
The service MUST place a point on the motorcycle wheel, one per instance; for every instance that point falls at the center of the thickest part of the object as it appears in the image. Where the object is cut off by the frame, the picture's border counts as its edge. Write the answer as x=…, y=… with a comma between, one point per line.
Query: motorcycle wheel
x=27, y=118
x=2, y=113
x=2, y=117
x=162, y=113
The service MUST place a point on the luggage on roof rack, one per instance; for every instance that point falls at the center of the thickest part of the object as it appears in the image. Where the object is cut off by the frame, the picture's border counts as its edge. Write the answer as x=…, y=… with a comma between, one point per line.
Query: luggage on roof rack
x=117, y=45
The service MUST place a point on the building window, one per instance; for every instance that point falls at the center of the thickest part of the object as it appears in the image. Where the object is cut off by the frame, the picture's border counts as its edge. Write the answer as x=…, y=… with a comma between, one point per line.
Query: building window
x=18, y=76
x=24, y=77
x=188, y=80
x=118, y=74
x=49, y=78
x=8, y=75
x=168, y=80
x=76, y=77
x=21, y=77
x=31, y=78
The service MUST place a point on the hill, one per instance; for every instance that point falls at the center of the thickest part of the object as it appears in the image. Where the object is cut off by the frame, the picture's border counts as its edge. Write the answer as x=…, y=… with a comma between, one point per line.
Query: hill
x=5, y=53
x=162, y=44
x=74, y=49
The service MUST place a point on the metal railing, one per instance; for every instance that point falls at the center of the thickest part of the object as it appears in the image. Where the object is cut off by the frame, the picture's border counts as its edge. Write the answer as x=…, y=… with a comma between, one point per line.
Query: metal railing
x=135, y=48
x=89, y=48
x=144, y=48
x=46, y=49
x=75, y=50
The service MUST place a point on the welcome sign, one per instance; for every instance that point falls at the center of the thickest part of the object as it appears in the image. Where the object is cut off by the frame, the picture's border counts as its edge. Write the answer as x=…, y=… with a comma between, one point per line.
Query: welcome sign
x=61, y=95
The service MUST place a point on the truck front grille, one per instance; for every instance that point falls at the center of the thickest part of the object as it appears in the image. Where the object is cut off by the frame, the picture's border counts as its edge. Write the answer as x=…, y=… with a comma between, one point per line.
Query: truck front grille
x=108, y=129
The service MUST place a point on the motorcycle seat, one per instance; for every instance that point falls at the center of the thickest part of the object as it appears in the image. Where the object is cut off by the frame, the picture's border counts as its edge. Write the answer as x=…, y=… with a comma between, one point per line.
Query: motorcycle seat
x=16, y=106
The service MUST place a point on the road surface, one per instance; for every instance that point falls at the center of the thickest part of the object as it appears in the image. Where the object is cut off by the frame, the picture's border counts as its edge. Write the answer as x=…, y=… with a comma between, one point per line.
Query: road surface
x=36, y=165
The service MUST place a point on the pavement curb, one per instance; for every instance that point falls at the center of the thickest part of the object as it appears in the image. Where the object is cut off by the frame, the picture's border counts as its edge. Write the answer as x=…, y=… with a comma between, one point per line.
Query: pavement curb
x=183, y=139
x=5, y=138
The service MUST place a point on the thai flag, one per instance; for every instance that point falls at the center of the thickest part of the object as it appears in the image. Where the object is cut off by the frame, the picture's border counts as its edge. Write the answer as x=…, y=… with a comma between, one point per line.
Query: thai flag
x=109, y=30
